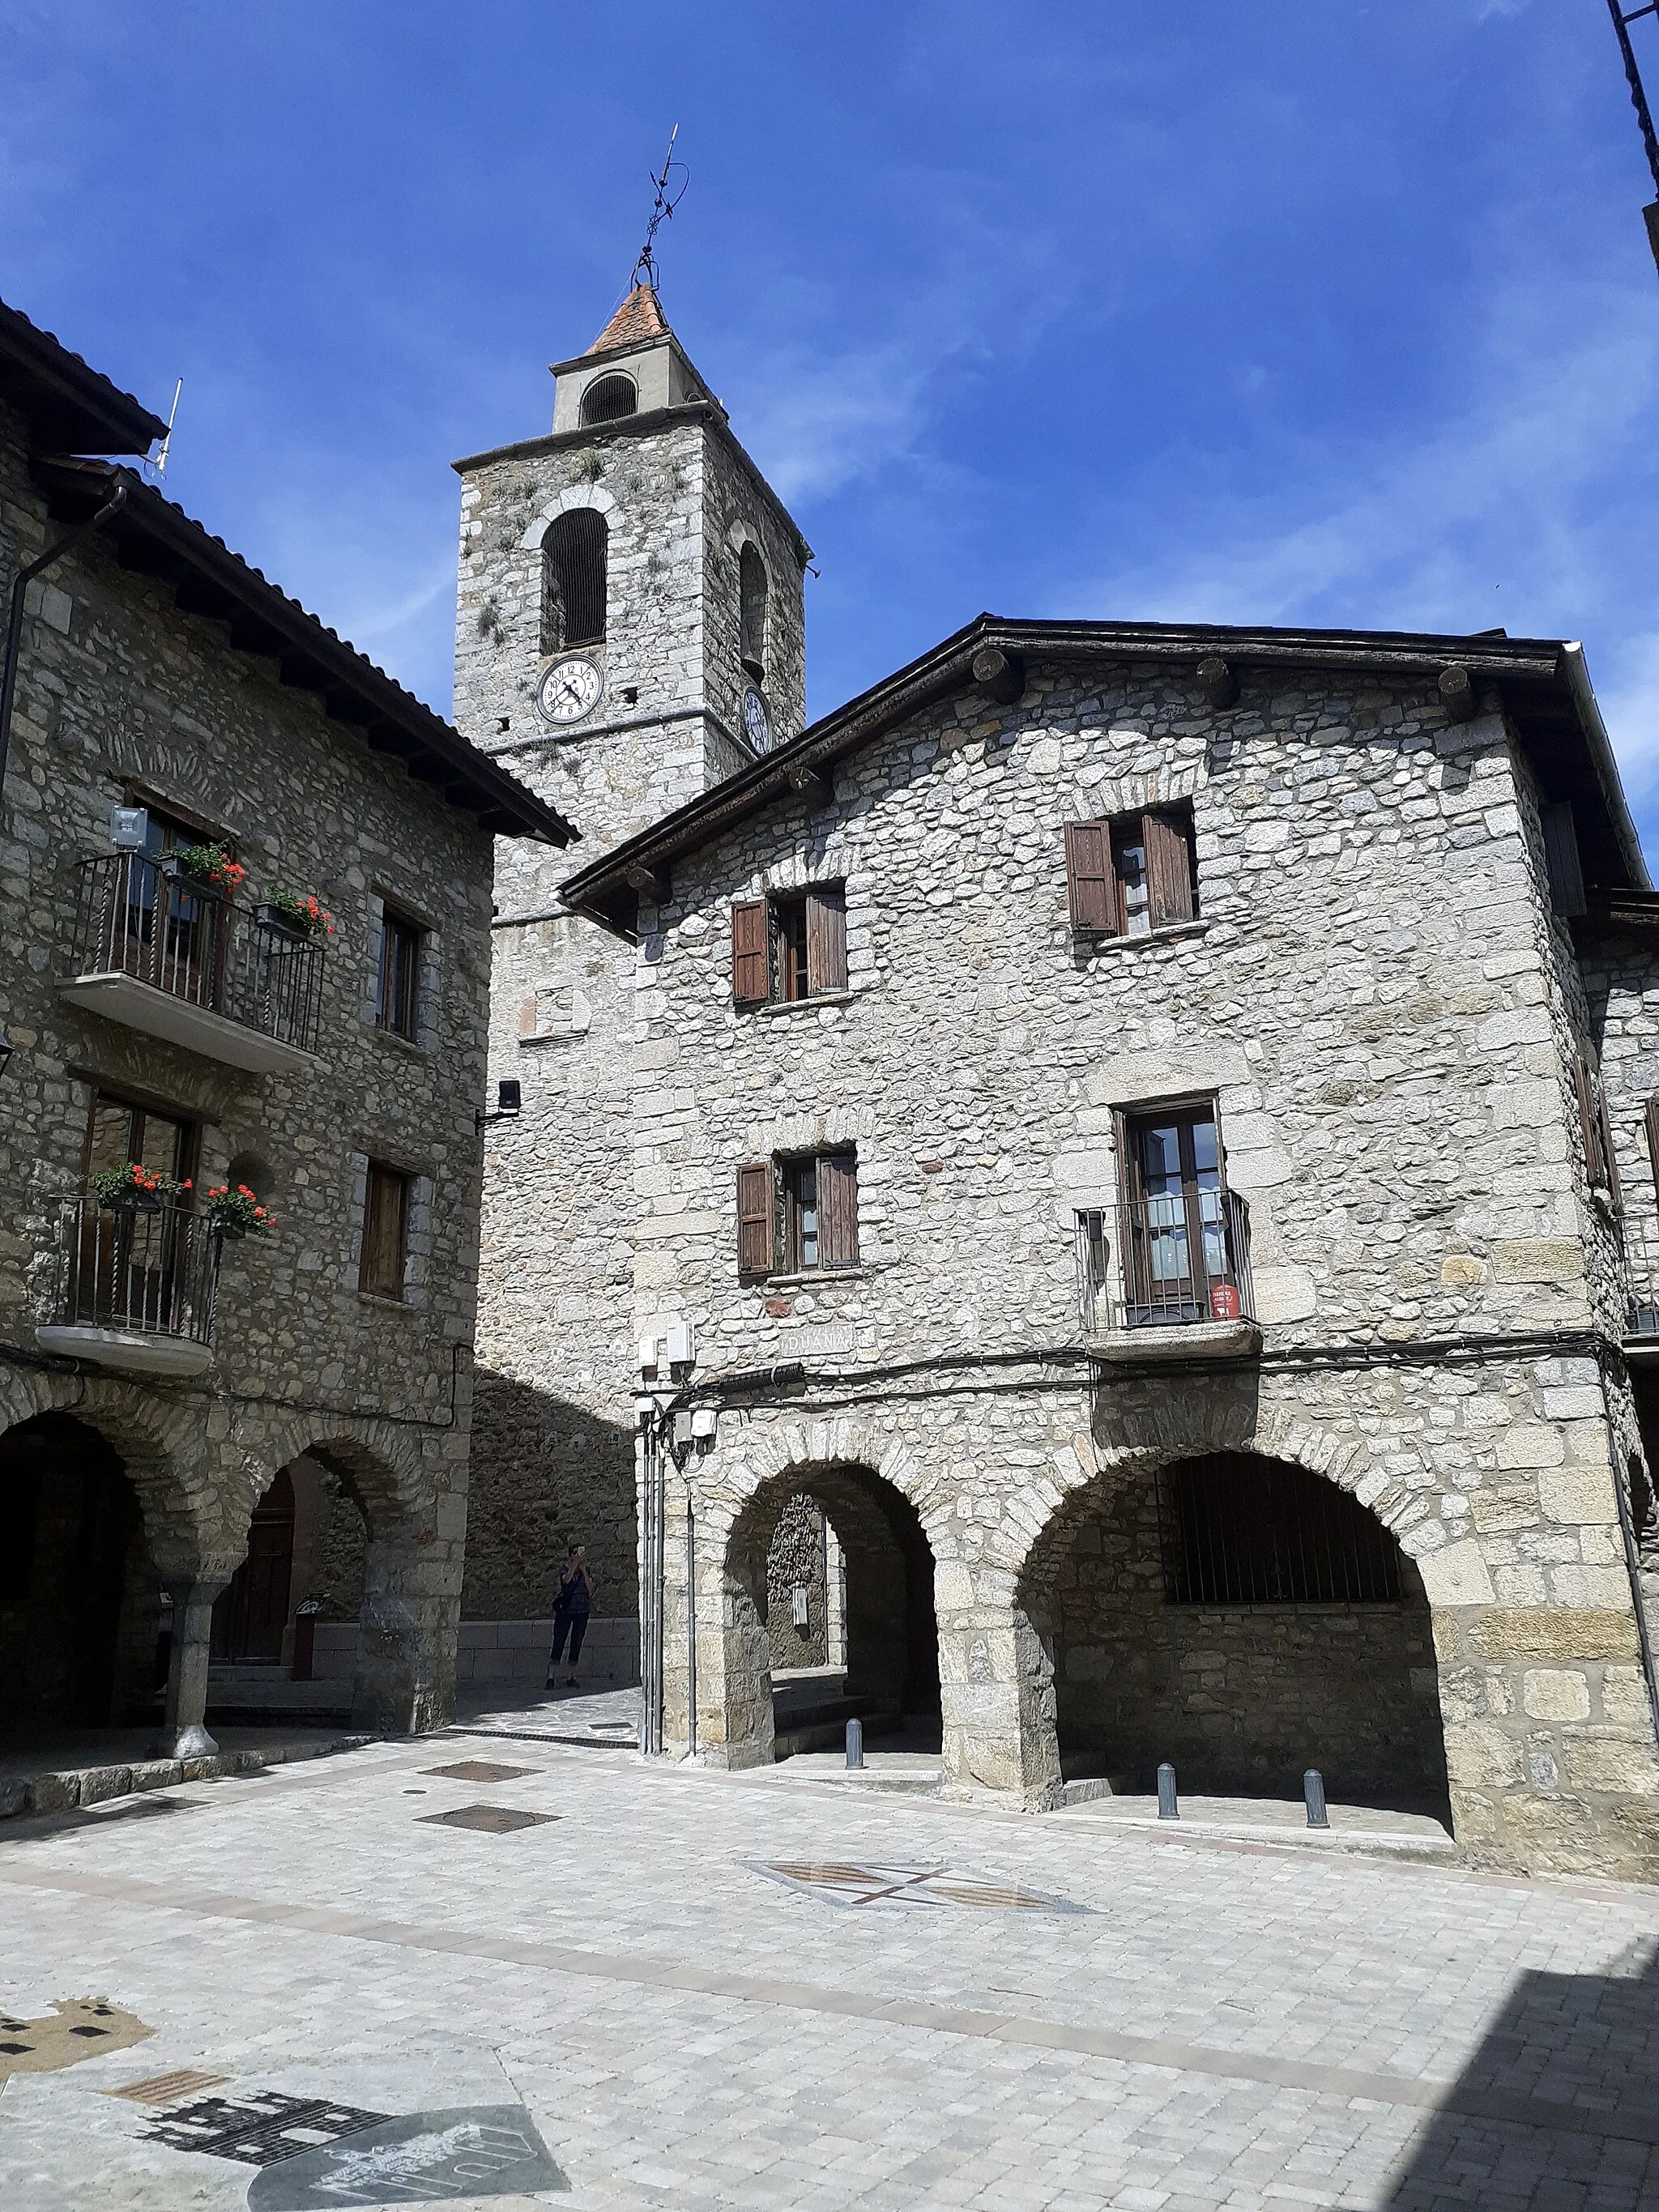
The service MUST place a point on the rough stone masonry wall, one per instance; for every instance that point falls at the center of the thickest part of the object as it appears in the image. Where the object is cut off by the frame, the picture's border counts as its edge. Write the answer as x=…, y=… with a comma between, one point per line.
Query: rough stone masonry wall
x=118, y=686
x=1236, y=1697
x=795, y=1561
x=1363, y=992
x=553, y=1451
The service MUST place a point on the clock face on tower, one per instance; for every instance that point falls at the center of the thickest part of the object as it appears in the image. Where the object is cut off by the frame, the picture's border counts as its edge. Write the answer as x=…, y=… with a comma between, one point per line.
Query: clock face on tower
x=755, y=727
x=569, y=689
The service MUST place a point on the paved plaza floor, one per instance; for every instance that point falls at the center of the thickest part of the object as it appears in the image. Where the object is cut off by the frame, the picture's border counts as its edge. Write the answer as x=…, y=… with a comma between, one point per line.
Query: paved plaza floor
x=589, y=1983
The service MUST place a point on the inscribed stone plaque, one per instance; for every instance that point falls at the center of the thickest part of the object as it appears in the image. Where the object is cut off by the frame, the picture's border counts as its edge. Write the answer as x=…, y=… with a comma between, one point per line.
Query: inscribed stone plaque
x=469, y=2150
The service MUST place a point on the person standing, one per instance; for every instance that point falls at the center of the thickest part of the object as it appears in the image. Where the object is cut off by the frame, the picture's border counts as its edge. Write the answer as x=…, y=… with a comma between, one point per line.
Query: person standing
x=570, y=1612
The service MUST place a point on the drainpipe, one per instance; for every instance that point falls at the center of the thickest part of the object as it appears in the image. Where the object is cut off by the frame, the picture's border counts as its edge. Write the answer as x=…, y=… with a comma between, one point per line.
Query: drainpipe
x=690, y=1626
x=21, y=583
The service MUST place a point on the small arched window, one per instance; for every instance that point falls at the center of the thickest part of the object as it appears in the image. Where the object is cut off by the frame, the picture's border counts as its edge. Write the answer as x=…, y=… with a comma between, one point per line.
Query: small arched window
x=752, y=593
x=573, y=580
x=608, y=398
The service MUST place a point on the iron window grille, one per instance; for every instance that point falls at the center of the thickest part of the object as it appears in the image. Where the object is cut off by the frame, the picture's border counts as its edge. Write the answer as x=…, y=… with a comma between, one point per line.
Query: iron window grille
x=608, y=399
x=574, y=555
x=1235, y=1530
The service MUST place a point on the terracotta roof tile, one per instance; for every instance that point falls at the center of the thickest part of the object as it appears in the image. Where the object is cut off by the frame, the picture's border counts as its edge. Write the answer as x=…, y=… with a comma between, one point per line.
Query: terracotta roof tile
x=638, y=320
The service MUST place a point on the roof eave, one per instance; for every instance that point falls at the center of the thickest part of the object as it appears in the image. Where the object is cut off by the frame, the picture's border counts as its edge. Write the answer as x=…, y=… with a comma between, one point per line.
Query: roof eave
x=601, y=890
x=206, y=578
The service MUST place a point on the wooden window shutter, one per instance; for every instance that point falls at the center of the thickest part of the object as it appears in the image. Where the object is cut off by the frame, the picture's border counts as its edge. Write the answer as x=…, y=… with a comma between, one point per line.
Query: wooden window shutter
x=826, y=940
x=838, y=1210
x=1091, y=885
x=1652, y=1119
x=1169, y=869
x=385, y=1232
x=1566, y=874
x=1590, y=1123
x=750, y=961
x=1609, y=1157
x=755, y=1218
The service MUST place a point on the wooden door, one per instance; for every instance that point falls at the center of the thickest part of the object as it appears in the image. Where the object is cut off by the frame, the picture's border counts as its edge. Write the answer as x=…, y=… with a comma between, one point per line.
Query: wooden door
x=250, y=1615
x=1174, y=1234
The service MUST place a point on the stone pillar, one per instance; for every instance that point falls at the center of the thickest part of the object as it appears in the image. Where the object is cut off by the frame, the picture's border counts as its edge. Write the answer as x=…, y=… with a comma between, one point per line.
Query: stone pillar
x=996, y=1692
x=405, y=1678
x=184, y=1734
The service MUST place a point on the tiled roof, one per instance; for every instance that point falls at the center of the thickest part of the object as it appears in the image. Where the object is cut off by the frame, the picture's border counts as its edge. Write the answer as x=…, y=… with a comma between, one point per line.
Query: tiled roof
x=638, y=320
x=67, y=402
x=152, y=533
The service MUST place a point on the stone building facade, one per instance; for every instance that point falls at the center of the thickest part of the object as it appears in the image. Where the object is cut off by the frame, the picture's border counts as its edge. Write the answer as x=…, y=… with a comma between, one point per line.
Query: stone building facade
x=165, y=1389
x=690, y=648
x=1175, y=1234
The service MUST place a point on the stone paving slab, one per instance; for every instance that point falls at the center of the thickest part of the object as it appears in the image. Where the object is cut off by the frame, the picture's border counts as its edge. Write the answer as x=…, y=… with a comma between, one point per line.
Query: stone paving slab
x=1223, y=2027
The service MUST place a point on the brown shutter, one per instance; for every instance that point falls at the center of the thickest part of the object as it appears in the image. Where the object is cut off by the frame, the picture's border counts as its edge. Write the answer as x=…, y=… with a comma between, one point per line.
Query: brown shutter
x=755, y=1218
x=1091, y=886
x=1561, y=860
x=1652, y=1118
x=826, y=941
x=1609, y=1157
x=1590, y=1123
x=385, y=1229
x=749, y=979
x=1169, y=869
x=838, y=1210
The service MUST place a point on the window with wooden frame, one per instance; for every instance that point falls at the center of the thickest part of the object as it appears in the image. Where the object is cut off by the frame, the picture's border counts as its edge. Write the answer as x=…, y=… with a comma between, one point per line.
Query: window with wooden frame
x=397, y=977
x=797, y=1214
x=383, y=1265
x=791, y=946
x=1600, y=1166
x=1131, y=874
x=120, y=1133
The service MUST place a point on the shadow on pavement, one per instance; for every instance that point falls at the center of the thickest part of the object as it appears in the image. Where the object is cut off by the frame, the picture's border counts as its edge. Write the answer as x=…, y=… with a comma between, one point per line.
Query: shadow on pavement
x=1558, y=2111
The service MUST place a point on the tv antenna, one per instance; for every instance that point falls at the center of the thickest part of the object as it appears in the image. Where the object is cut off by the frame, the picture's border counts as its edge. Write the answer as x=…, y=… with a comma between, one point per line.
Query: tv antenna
x=158, y=467
x=669, y=194
x=1622, y=19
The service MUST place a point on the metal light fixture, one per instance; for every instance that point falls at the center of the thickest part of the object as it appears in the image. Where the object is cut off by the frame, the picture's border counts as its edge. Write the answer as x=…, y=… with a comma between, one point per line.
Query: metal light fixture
x=6, y=1050
x=509, y=1103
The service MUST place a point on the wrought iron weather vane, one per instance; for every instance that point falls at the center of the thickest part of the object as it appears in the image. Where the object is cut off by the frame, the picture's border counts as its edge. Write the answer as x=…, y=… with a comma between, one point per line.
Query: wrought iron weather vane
x=1622, y=19
x=668, y=198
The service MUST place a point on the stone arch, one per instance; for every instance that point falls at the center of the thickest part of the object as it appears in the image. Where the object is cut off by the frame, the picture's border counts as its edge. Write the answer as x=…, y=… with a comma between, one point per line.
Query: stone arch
x=1241, y=1681
x=591, y=496
x=160, y=1448
x=1130, y=794
x=890, y=1622
x=405, y=1678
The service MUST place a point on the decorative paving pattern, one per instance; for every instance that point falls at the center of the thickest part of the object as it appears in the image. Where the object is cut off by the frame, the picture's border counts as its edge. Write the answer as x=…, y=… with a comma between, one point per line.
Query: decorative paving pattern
x=166, y=2088
x=479, y=1770
x=489, y=1820
x=260, y=2130
x=471, y=2151
x=895, y=1885
x=76, y=2027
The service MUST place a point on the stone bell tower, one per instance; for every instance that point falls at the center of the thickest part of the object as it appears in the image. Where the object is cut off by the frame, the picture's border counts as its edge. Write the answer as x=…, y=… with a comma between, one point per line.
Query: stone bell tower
x=630, y=632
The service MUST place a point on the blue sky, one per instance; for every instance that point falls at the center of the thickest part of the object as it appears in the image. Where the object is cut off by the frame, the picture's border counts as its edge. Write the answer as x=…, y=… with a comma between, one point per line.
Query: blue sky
x=1313, y=311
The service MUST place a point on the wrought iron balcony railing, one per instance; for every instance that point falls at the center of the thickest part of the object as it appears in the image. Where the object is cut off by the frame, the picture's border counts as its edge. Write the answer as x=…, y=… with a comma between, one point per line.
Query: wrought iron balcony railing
x=1184, y=1259
x=148, y=1271
x=141, y=918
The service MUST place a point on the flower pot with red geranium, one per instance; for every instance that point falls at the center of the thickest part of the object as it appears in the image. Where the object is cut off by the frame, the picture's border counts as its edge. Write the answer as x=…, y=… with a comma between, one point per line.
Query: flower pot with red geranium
x=210, y=868
x=298, y=915
x=233, y=1211
x=134, y=1189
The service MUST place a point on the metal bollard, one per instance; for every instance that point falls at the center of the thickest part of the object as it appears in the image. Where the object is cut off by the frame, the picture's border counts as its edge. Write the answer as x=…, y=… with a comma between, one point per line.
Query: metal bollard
x=855, y=1743
x=1313, y=1796
x=1167, y=1809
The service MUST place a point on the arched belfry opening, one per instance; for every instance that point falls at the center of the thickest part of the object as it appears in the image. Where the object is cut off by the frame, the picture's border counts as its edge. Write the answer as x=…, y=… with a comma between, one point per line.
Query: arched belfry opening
x=574, y=559
x=753, y=592
x=80, y=1598
x=608, y=399
x=1243, y=1619
x=829, y=1582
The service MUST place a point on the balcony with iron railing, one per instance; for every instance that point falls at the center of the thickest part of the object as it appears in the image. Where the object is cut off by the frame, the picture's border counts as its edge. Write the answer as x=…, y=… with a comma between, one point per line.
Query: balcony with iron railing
x=1182, y=1287
x=134, y=1286
x=160, y=952
x=1641, y=1244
